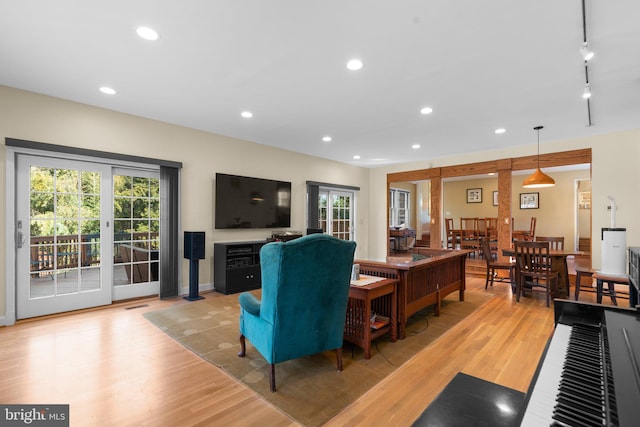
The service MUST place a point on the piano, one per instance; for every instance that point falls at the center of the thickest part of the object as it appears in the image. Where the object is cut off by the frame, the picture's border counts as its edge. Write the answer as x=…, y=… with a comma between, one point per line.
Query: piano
x=589, y=374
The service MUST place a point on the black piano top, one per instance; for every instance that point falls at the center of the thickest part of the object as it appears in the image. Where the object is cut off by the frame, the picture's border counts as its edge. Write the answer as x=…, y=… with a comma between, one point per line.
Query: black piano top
x=470, y=401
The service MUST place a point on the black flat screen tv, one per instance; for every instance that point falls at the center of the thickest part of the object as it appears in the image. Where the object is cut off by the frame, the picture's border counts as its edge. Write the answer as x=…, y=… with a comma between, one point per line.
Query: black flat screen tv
x=245, y=202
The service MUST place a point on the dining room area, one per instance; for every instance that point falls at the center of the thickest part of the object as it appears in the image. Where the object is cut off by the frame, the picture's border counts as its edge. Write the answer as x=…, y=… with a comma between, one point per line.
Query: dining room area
x=461, y=206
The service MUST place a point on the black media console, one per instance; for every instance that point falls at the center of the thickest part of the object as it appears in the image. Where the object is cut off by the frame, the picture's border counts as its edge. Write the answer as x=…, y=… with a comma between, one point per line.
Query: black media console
x=236, y=266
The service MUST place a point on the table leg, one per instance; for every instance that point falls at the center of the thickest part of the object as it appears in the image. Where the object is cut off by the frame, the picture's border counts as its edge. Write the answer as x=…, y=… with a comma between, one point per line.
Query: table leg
x=367, y=328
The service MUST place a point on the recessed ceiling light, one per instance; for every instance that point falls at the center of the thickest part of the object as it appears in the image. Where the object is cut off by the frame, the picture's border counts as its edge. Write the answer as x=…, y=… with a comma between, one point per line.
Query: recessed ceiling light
x=415, y=146
x=147, y=33
x=246, y=114
x=107, y=90
x=356, y=157
x=499, y=131
x=326, y=138
x=354, y=64
x=426, y=110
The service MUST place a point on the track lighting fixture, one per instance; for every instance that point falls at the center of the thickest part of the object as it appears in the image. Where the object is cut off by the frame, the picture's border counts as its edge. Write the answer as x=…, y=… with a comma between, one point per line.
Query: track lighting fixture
x=586, y=53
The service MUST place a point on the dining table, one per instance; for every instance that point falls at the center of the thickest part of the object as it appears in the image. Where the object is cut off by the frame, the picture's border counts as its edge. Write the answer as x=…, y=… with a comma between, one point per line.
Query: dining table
x=558, y=264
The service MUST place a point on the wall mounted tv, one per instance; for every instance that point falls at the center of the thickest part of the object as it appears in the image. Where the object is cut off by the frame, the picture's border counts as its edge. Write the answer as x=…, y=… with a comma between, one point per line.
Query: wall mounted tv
x=244, y=202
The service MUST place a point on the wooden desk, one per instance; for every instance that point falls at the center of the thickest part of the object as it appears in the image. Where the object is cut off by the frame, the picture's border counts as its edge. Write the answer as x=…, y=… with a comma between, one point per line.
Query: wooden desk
x=378, y=297
x=558, y=264
x=401, y=235
x=421, y=283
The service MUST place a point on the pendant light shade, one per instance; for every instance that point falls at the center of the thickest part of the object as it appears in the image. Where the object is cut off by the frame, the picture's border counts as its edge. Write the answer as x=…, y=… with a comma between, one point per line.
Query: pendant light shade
x=538, y=179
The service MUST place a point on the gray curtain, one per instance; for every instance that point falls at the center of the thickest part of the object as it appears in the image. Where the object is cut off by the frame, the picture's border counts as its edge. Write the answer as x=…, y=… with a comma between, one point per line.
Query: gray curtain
x=169, y=231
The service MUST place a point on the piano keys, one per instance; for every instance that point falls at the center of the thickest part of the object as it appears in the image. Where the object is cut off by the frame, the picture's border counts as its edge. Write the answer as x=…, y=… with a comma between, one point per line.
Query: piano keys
x=589, y=374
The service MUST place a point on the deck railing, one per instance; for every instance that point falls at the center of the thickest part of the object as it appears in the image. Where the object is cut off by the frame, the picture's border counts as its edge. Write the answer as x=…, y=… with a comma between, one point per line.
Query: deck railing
x=73, y=251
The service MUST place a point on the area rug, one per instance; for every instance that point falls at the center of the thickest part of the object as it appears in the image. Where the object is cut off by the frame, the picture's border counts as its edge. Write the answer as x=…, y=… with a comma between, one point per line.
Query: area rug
x=310, y=389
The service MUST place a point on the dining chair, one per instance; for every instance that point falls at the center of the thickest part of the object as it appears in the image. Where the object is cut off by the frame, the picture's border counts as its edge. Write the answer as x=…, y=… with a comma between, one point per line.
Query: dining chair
x=469, y=233
x=533, y=267
x=556, y=243
x=451, y=235
x=532, y=229
x=481, y=227
x=494, y=266
x=492, y=234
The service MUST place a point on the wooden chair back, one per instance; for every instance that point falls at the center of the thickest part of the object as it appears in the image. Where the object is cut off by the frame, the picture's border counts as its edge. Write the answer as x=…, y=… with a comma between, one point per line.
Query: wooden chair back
x=448, y=222
x=532, y=258
x=532, y=228
x=533, y=267
x=485, y=247
x=554, y=242
x=481, y=227
x=468, y=227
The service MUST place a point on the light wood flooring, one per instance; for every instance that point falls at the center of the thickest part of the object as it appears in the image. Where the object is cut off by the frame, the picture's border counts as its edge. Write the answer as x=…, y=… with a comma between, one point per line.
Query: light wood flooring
x=117, y=369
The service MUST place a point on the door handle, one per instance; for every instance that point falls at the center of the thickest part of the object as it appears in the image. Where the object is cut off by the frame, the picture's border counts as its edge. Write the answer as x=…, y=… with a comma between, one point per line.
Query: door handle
x=19, y=239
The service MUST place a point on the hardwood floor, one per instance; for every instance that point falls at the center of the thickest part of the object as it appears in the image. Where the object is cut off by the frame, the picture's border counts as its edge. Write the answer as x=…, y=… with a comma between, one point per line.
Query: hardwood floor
x=115, y=368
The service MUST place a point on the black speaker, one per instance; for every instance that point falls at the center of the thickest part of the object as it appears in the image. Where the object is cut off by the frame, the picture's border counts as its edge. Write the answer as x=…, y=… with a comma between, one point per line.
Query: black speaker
x=194, y=245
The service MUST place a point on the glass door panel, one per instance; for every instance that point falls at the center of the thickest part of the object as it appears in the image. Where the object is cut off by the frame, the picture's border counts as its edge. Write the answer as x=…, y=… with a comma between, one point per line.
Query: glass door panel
x=136, y=233
x=60, y=266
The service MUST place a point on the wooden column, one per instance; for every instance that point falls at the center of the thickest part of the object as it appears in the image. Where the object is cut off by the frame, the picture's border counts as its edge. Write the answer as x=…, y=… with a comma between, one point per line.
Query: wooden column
x=436, y=221
x=504, y=206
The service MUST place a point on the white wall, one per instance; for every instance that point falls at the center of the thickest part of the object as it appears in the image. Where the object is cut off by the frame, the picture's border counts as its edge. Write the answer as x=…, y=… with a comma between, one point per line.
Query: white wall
x=34, y=117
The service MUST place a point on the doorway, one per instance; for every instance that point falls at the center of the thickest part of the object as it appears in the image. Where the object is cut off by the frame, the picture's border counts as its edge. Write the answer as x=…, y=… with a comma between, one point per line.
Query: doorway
x=87, y=234
x=63, y=235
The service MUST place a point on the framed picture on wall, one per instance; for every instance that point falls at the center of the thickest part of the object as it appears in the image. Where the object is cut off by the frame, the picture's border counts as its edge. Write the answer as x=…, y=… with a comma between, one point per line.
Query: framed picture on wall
x=474, y=195
x=529, y=200
x=495, y=198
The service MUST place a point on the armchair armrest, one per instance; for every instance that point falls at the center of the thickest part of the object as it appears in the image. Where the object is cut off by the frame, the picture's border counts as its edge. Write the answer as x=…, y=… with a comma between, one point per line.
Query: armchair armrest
x=250, y=303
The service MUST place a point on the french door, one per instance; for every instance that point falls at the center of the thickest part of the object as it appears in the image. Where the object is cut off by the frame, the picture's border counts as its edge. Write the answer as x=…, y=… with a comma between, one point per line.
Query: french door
x=63, y=211
x=336, y=213
x=136, y=233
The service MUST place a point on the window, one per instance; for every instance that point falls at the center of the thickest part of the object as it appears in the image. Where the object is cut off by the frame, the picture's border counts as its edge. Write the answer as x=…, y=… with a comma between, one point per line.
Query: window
x=335, y=213
x=399, y=207
x=331, y=208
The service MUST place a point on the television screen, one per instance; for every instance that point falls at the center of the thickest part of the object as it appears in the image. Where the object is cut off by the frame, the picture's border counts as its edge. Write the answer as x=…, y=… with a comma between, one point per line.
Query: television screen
x=244, y=202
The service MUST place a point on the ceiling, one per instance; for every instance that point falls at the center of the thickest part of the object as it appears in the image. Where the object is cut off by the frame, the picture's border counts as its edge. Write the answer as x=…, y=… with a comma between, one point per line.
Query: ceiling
x=479, y=65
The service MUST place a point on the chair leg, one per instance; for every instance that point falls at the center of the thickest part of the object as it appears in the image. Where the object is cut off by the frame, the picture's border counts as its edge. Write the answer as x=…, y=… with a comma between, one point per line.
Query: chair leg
x=512, y=280
x=339, y=357
x=243, y=346
x=612, y=292
x=272, y=377
x=548, y=291
x=486, y=282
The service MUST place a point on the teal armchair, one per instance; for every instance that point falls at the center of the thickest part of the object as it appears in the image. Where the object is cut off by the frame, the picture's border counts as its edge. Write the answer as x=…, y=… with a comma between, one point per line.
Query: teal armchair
x=305, y=288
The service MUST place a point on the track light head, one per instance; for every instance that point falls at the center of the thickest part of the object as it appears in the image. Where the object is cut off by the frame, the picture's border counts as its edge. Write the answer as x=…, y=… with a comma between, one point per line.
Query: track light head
x=586, y=53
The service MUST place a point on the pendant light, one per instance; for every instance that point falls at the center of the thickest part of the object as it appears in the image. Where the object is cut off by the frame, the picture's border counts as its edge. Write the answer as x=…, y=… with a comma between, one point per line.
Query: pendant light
x=538, y=179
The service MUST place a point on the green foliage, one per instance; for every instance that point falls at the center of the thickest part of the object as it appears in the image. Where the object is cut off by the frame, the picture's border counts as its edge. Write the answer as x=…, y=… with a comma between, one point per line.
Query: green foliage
x=68, y=202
